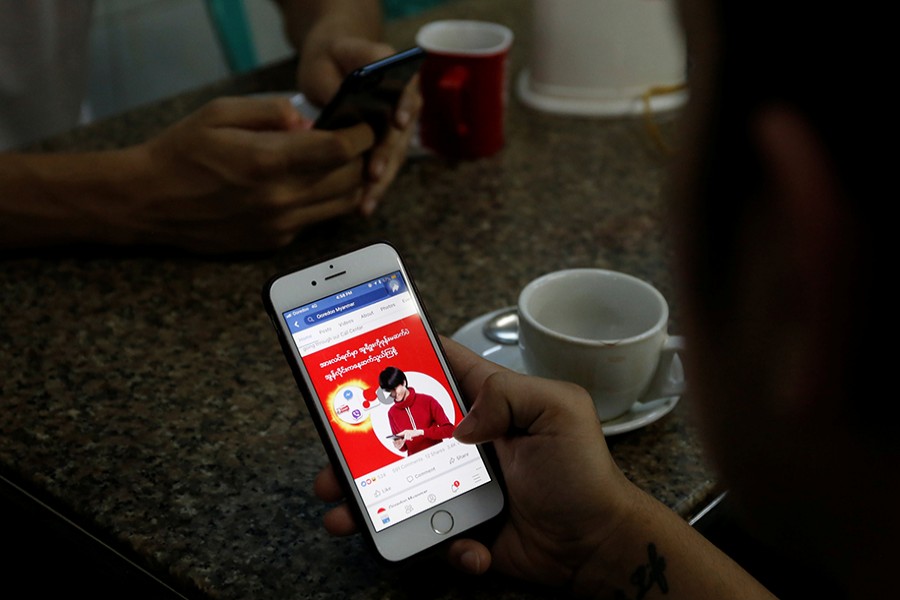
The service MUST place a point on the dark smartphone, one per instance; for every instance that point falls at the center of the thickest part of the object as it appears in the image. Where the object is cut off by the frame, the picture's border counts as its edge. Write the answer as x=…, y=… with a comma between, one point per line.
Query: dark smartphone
x=344, y=323
x=370, y=94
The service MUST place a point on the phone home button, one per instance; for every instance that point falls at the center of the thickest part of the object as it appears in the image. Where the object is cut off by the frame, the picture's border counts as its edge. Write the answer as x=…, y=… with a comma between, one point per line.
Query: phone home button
x=442, y=522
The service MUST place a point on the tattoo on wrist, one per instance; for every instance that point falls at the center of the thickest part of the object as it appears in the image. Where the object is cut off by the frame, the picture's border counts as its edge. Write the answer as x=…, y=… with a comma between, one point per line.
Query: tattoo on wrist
x=648, y=575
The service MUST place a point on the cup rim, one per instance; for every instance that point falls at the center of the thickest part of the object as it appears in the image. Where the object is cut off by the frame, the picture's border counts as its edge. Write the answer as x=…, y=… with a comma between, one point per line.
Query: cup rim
x=499, y=48
x=529, y=289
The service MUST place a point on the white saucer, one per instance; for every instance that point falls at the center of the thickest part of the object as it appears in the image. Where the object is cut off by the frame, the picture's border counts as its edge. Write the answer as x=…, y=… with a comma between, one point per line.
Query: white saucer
x=471, y=335
x=605, y=103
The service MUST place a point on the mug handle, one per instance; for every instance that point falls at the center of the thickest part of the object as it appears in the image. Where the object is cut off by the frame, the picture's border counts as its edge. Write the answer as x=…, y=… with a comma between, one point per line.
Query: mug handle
x=664, y=385
x=452, y=84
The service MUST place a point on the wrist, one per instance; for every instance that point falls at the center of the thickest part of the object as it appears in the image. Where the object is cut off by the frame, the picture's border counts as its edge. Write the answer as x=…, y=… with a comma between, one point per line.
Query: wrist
x=310, y=25
x=652, y=551
x=619, y=544
x=66, y=198
x=320, y=38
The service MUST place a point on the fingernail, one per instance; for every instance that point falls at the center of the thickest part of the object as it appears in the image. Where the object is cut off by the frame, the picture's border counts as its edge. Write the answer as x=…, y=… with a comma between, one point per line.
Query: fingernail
x=402, y=118
x=370, y=203
x=466, y=427
x=376, y=169
x=471, y=562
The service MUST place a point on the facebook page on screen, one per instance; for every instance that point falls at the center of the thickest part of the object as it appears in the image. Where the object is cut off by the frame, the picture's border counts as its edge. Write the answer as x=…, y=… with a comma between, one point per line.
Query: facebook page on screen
x=386, y=398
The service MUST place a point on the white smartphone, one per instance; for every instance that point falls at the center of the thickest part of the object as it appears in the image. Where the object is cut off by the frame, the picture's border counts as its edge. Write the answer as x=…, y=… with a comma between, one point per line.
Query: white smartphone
x=377, y=384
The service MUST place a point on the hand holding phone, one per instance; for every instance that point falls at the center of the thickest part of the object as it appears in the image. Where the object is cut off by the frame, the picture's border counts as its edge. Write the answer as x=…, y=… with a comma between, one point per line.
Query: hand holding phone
x=370, y=94
x=565, y=491
x=349, y=327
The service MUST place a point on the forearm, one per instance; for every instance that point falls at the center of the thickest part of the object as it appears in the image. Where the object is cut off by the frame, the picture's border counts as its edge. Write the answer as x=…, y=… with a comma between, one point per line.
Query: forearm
x=331, y=18
x=657, y=554
x=48, y=199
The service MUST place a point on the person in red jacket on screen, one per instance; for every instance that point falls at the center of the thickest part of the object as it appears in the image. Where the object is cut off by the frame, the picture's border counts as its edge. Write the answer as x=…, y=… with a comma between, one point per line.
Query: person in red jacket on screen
x=417, y=420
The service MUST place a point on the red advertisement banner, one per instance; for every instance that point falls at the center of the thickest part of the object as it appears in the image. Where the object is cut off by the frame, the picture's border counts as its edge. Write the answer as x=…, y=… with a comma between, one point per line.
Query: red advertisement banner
x=346, y=379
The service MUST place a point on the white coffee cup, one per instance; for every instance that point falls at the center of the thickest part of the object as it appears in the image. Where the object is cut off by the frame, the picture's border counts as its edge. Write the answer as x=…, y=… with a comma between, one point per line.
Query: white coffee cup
x=603, y=330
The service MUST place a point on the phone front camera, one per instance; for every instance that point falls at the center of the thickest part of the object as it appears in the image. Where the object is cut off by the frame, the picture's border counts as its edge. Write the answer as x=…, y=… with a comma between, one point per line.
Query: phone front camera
x=314, y=283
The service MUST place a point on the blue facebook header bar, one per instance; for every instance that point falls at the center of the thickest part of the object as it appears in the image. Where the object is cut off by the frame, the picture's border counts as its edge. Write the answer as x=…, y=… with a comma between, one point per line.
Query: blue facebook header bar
x=349, y=300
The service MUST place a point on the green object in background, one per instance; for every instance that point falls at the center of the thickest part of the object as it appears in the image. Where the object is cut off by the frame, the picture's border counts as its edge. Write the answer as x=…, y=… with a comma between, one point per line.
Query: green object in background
x=232, y=28
x=229, y=19
x=400, y=8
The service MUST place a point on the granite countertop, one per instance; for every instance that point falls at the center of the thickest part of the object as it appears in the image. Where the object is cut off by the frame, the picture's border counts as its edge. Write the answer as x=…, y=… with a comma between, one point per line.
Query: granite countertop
x=145, y=393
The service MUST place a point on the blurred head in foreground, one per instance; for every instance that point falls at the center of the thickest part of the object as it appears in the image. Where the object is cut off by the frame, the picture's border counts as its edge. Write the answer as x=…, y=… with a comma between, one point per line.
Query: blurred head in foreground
x=779, y=199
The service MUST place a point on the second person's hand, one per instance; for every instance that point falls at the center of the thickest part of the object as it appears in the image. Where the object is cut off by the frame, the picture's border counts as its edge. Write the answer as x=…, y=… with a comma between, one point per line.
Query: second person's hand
x=240, y=174
x=324, y=64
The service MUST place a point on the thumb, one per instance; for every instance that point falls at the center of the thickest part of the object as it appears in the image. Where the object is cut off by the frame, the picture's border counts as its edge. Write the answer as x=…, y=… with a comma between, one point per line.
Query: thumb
x=490, y=416
x=350, y=53
x=321, y=72
x=259, y=114
x=510, y=403
x=469, y=556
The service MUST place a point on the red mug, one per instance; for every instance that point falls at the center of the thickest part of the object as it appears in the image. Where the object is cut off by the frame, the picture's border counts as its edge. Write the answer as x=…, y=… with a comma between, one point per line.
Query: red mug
x=464, y=91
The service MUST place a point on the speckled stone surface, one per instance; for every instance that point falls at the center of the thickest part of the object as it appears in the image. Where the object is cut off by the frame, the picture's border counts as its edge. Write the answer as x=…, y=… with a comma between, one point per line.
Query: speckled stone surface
x=145, y=393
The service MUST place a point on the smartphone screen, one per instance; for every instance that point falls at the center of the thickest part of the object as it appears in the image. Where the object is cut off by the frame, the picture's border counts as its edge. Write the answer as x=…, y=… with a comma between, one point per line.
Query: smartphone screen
x=367, y=355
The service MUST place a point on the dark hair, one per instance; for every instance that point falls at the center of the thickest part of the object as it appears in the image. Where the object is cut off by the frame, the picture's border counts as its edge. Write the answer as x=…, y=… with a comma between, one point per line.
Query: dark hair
x=391, y=377
x=828, y=62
